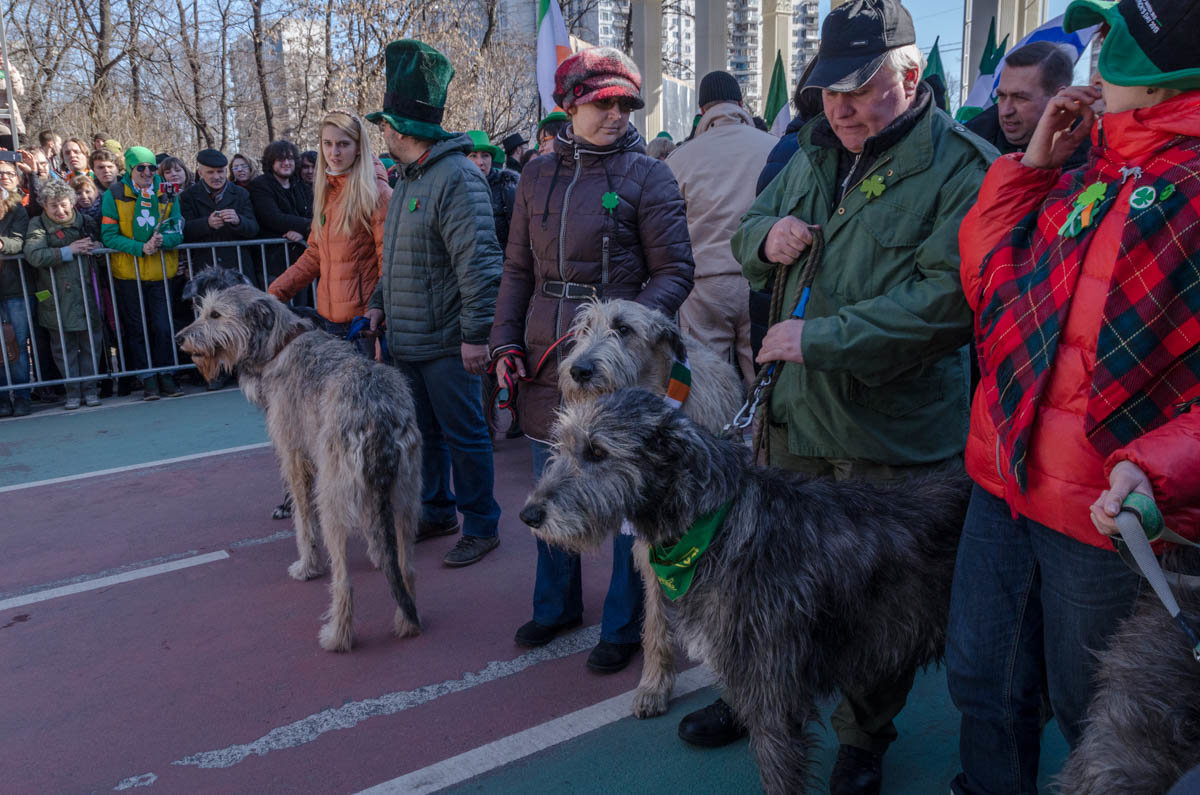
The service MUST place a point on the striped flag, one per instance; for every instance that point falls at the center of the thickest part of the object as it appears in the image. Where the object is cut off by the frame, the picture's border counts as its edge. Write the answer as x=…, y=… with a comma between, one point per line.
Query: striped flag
x=778, y=114
x=553, y=47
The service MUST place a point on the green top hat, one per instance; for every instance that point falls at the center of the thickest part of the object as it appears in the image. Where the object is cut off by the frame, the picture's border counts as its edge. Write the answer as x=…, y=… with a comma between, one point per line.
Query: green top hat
x=480, y=143
x=414, y=101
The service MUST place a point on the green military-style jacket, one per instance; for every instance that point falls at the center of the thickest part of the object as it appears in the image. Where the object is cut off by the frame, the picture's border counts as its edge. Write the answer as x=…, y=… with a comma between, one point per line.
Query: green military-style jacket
x=885, y=376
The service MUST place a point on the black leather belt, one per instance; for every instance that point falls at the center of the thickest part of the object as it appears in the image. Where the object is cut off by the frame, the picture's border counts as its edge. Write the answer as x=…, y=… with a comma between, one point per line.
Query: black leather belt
x=573, y=290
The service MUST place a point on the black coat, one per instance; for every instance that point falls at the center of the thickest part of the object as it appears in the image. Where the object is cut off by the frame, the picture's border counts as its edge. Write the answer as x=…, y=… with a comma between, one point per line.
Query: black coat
x=503, y=186
x=987, y=126
x=281, y=210
x=195, y=205
x=12, y=240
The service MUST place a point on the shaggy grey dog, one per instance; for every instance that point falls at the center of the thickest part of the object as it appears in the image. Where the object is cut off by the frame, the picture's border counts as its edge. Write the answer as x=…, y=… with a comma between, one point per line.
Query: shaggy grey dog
x=1142, y=730
x=808, y=586
x=344, y=428
x=622, y=344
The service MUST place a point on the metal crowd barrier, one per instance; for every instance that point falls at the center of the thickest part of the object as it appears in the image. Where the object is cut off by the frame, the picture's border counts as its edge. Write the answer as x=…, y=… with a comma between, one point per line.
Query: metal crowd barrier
x=113, y=353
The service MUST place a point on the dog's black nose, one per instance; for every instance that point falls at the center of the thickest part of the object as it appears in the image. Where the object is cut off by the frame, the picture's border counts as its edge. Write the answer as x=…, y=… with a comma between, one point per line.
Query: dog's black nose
x=533, y=515
x=581, y=372
x=179, y=338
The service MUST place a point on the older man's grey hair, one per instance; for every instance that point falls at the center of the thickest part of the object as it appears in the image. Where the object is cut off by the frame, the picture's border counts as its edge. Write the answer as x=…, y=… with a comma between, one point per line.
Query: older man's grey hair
x=901, y=59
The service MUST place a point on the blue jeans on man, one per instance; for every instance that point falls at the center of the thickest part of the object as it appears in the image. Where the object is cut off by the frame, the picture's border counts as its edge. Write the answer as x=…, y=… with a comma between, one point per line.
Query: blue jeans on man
x=558, y=588
x=456, y=446
x=1030, y=607
x=18, y=312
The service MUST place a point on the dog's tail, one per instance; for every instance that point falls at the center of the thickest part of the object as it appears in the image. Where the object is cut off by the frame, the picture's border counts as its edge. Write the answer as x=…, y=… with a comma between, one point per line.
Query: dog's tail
x=385, y=534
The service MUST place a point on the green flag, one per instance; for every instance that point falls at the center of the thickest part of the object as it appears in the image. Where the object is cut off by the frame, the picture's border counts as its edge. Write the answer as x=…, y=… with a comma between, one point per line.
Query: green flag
x=933, y=64
x=777, y=94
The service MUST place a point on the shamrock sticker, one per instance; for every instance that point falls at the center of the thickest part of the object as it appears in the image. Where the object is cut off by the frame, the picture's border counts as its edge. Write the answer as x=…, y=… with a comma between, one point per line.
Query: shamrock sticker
x=414, y=204
x=610, y=200
x=1095, y=192
x=1143, y=197
x=1167, y=192
x=873, y=187
x=145, y=219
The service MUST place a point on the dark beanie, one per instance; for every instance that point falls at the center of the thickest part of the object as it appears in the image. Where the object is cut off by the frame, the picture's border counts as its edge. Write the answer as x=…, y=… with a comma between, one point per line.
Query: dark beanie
x=719, y=87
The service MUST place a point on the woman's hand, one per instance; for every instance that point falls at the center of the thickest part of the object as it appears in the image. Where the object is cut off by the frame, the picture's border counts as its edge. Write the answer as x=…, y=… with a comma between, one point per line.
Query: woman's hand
x=1126, y=478
x=511, y=366
x=1054, y=140
x=83, y=245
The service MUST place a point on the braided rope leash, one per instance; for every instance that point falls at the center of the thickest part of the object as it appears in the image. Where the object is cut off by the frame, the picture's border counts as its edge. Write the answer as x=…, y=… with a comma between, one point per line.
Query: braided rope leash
x=1139, y=523
x=768, y=374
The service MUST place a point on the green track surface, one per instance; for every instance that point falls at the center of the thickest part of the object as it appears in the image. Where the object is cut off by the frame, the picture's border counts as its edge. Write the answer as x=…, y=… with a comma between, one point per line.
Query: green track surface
x=54, y=443
x=646, y=755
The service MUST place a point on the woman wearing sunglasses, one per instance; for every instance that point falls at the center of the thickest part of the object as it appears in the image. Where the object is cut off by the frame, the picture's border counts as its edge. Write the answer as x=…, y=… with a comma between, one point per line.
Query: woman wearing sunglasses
x=594, y=217
x=143, y=225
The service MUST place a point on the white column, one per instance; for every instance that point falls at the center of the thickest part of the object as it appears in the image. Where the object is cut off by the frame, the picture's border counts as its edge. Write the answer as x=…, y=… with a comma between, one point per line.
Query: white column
x=776, y=37
x=712, y=37
x=646, y=18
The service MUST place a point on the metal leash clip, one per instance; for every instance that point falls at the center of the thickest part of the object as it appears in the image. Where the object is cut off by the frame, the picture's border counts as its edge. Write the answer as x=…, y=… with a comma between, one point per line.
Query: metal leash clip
x=745, y=416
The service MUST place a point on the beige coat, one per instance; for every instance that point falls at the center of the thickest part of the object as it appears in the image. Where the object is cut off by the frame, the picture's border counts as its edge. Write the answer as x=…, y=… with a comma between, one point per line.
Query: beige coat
x=716, y=172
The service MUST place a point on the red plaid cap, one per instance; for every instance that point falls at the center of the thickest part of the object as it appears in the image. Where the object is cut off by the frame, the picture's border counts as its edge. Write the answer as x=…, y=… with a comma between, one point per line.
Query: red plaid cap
x=594, y=74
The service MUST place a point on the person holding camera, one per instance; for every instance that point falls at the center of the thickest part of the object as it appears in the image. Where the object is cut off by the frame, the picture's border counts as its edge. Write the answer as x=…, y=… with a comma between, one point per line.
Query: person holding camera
x=141, y=222
x=217, y=211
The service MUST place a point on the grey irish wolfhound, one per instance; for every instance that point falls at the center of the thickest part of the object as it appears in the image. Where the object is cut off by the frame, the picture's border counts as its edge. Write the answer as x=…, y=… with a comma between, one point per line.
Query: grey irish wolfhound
x=622, y=344
x=1142, y=731
x=344, y=428
x=809, y=585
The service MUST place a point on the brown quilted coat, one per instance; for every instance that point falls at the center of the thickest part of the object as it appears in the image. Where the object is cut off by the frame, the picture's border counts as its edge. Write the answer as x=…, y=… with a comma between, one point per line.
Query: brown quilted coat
x=561, y=231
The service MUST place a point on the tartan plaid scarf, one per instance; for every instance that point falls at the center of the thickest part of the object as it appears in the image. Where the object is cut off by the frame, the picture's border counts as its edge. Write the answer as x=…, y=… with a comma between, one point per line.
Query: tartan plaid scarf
x=1148, y=350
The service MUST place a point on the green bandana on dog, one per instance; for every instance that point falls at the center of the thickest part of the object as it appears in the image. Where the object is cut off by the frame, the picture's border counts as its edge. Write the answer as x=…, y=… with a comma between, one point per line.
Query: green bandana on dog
x=675, y=565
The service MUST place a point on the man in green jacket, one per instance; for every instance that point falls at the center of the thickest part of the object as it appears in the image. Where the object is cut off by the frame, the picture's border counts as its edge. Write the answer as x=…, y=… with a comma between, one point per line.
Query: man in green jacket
x=437, y=290
x=873, y=382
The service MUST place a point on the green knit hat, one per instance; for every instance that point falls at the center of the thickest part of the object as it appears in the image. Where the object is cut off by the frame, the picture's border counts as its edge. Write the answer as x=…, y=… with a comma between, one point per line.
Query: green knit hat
x=481, y=143
x=135, y=155
x=414, y=100
x=1149, y=42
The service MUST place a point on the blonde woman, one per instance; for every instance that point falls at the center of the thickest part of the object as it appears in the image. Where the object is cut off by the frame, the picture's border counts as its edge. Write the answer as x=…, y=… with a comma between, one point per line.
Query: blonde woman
x=350, y=203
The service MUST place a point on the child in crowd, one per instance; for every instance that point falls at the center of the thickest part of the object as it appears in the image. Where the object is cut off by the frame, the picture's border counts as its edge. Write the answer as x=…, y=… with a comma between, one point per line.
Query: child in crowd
x=87, y=197
x=56, y=245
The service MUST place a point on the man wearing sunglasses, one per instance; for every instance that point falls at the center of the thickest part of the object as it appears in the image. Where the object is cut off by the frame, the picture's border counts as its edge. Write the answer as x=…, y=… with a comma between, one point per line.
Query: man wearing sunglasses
x=142, y=224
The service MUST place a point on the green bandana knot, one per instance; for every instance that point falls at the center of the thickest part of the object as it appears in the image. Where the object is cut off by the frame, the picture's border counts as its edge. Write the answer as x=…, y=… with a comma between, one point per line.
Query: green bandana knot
x=676, y=565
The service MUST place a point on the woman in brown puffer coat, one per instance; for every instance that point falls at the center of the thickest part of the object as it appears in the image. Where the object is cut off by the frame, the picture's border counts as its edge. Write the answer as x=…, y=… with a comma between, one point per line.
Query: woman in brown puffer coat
x=594, y=218
x=346, y=241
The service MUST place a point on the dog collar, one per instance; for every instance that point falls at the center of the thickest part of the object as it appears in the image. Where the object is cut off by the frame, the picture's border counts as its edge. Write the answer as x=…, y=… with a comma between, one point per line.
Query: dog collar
x=676, y=565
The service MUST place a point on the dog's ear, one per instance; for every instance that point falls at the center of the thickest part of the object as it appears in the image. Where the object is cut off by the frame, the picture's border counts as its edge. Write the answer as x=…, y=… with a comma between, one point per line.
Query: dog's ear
x=261, y=315
x=666, y=333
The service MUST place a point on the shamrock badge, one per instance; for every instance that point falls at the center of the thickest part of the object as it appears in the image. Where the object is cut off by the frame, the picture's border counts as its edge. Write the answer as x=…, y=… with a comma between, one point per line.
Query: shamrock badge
x=1167, y=193
x=610, y=200
x=1084, y=213
x=414, y=204
x=873, y=186
x=1142, y=197
x=145, y=219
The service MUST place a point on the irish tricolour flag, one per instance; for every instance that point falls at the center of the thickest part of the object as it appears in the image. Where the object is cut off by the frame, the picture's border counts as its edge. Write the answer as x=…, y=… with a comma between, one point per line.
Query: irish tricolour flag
x=553, y=47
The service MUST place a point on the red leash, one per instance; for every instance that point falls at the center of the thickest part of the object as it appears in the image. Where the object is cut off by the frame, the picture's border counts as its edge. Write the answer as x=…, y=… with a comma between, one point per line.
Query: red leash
x=510, y=383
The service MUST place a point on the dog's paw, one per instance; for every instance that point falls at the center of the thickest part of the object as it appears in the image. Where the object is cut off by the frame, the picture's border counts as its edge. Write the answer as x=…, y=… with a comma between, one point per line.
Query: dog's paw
x=303, y=570
x=403, y=627
x=282, y=511
x=333, y=637
x=649, y=703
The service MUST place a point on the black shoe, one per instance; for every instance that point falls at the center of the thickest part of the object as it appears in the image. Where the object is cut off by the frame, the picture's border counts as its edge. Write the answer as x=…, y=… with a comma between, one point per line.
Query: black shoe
x=150, y=388
x=711, y=727
x=168, y=386
x=470, y=549
x=856, y=772
x=532, y=634
x=6, y=406
x=608, y=658
x=427, y=530
x=21, y=407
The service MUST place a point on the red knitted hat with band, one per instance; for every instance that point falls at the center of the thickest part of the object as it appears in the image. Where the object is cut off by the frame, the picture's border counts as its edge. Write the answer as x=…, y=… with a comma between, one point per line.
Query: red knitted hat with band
x=597, y=73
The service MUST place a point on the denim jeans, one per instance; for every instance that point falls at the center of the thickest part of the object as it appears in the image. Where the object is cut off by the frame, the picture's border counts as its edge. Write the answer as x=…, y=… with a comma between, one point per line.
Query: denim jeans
x=1029, y=608
x=18, y=312
x=153, y=301
x=363, y=344
x=455, y=443
x=558, y=588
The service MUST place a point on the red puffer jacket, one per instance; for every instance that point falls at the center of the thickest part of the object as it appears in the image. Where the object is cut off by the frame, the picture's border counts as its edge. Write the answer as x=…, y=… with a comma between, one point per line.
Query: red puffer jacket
x=1066, y=473
x=604, y=216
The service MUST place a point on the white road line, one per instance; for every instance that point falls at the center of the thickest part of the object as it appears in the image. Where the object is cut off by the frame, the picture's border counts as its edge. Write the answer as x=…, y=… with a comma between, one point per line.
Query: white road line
x=104, y=582
x=132, y=467
x=485, y=758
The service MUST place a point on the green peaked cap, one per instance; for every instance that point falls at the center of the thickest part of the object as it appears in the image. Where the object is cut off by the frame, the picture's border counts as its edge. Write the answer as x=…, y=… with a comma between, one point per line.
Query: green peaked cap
x=481, y=143
x=414, y=99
